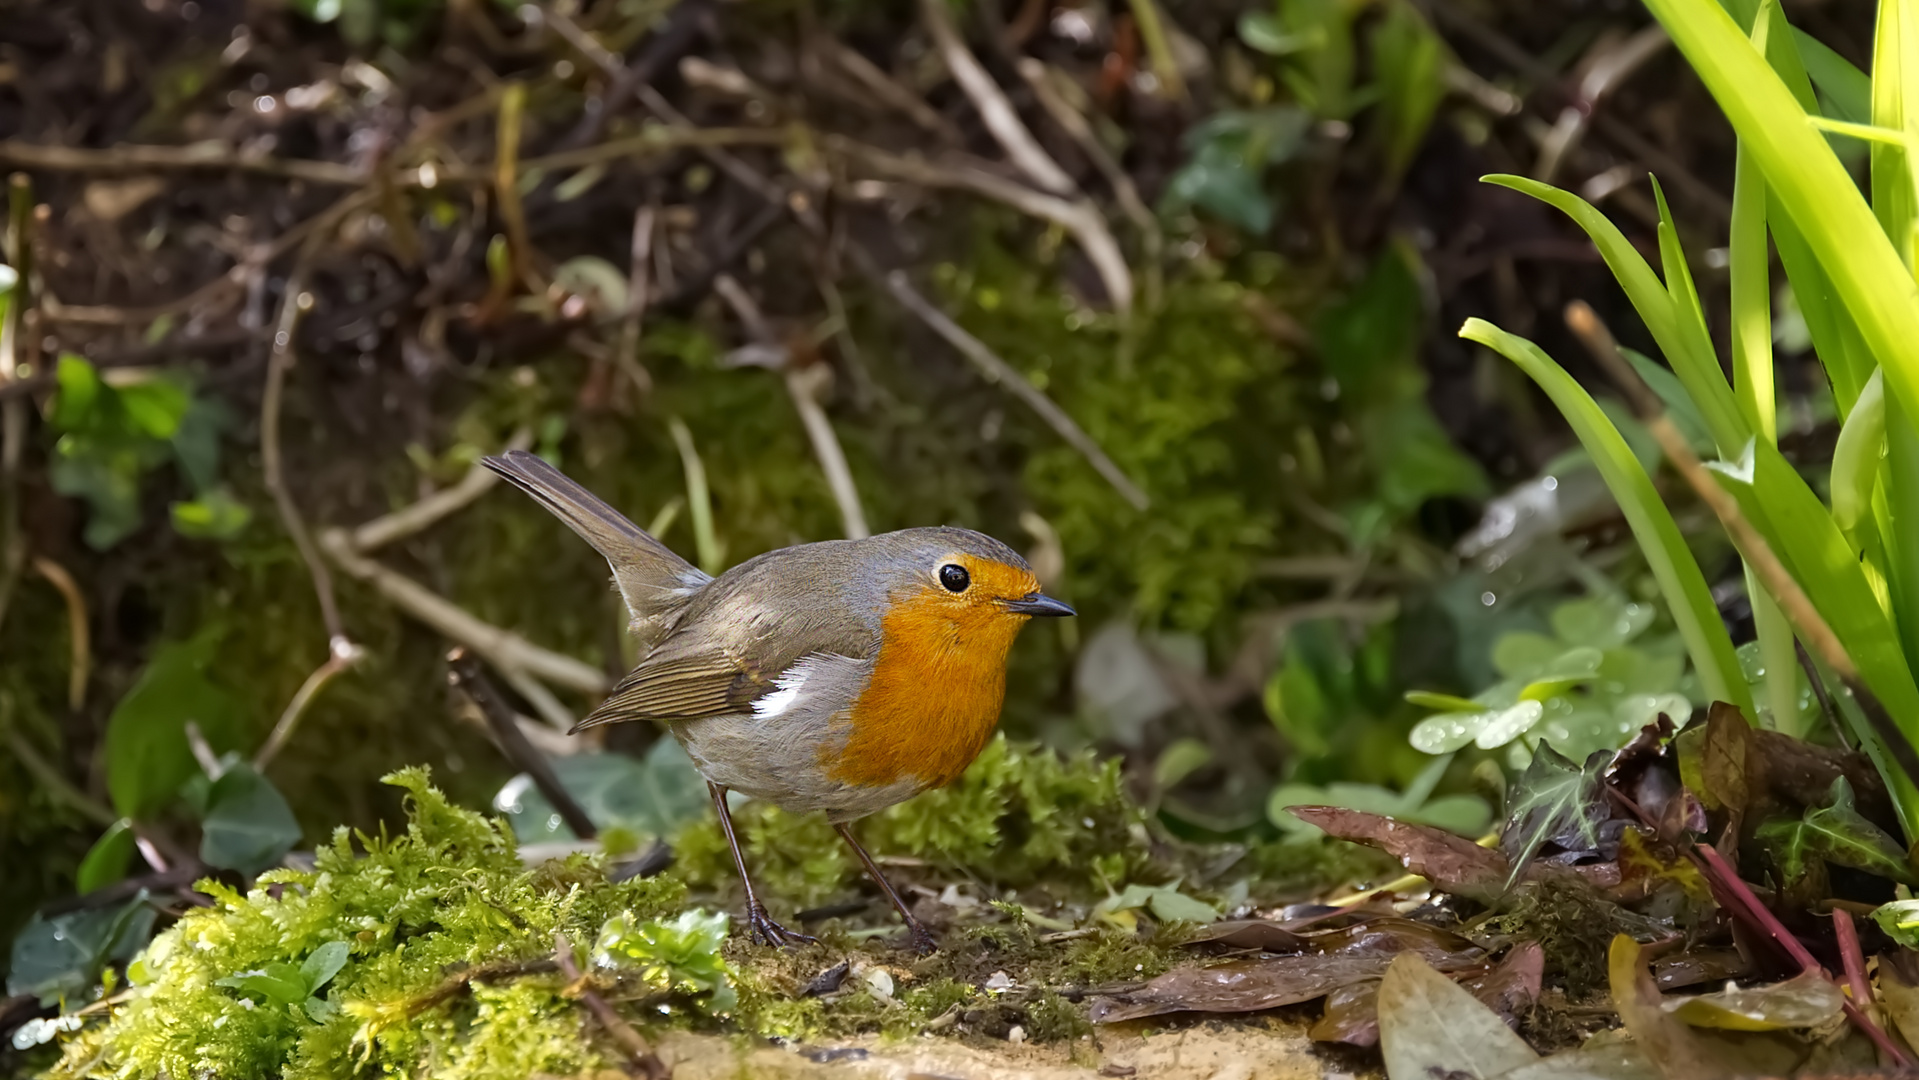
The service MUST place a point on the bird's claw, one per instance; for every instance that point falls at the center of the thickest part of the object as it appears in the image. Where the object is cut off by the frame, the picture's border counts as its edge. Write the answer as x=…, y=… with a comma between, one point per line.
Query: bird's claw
x=920, y=940
x=767, y=932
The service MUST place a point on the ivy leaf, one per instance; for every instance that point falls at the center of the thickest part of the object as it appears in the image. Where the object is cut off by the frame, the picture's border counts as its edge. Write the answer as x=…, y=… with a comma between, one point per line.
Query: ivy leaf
x=1839, y=834
x=248, y=826
x=652, y=795
x=106, y=861
x=1555, y=801
x=146, y=745
x=62, y=956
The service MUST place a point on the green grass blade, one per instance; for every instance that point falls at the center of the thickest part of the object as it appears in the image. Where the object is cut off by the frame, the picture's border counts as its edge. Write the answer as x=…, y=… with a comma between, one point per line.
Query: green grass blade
x=1778, y=502
x=1856, y=458
x=1847, y=89
x=1819, y=196
x=1901, y=532
x=1894, y=79
x=1750, y=267
x=1672, y=563
x=1687, y=348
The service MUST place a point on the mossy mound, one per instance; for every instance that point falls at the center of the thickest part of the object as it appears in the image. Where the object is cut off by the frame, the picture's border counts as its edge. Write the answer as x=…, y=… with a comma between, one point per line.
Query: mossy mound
x=433, y=953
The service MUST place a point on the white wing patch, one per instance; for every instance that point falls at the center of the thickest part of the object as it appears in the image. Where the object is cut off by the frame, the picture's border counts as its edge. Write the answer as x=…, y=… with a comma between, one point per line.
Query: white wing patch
x=782, y=699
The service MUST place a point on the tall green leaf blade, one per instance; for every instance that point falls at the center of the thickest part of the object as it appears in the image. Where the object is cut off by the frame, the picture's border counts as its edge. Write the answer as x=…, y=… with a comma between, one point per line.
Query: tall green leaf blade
x=1847, y=89
x=1686, y=348
x=1666, y=553
x=1818, y=194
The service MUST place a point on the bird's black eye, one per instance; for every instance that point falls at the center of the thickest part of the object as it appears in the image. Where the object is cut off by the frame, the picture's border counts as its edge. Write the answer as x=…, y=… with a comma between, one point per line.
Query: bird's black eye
x=955, y=577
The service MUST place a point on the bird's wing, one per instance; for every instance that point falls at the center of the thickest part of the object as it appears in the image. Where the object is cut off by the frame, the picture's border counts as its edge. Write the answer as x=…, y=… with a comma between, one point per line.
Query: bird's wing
x=699, y=672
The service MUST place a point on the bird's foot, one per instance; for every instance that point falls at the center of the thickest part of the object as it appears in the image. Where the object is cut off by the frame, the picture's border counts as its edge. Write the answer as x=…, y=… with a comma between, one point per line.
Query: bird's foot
x=767, y=932
x=920, y=940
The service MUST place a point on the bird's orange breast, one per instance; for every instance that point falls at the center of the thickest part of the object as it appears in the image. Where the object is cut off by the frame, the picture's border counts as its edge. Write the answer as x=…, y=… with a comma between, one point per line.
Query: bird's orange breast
x=935, y=694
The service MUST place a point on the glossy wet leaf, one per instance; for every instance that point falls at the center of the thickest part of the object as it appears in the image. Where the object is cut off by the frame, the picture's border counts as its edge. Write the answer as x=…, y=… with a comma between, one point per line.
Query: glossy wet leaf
x=1429, y=1026
x=248, y=826
x=1453, y=863
x=652, y=795
x=1808, y=1000
x=62, y=956
x=1555, y=801
x=1509, y=989
x=1839, y=834
x=1487, y=728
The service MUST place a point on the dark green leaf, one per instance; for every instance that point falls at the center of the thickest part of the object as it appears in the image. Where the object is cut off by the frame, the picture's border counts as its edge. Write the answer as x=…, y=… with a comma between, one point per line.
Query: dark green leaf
x=248, y=826
x=1555, y=801
x=63, y=956
x=1843, y=836
x=106, y=861
x=147, y=757
x=654, y=795
x=1845, y=88
x=1231, y=151
x=1672, y=394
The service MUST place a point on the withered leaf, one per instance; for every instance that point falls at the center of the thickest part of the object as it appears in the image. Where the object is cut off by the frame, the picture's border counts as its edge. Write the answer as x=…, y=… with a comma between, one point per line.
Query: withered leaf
x=1697, y=966
x=1335, y=959
x=1900, y=993
x=1720, y=773
x=1807, y=1000
x=1262, y=934
x=1508, y=989
x=1451, y=862
x=1429, y=1027
x=1666, y=1041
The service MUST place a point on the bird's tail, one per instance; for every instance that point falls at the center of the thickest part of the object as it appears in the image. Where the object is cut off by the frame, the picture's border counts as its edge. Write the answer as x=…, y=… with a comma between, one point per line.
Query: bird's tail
x=653, y=580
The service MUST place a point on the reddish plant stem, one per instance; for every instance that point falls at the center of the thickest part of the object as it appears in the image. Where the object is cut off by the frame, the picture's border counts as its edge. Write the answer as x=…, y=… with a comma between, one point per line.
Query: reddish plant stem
x=1852, y=956
x=1728, y=885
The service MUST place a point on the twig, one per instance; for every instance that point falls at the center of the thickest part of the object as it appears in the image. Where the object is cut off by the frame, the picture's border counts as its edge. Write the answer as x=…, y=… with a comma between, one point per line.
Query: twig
x=419, y=516
x=1517, y=58
x=293, y=304
x=55, y=784
x=804, y=383
x=465, y=674
x=698, y=499
x=13, y=410
x=1077, y=216
x=1604, y=73
x=997, y=370
x=296, y=708
x=896, y=284
x=1001, y=119
x=506, y=182
x=639, y=288
x=1811, y=627
x=542, y=700
x=886, y=88
x=638, y=1050
x=1159, y=47
x=82, y=655
x=503, y=648
x=211, y=155
x=1072, y=120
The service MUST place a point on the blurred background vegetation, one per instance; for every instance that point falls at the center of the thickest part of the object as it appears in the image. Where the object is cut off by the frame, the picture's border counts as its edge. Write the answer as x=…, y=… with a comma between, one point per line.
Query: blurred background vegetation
x=1231, y=242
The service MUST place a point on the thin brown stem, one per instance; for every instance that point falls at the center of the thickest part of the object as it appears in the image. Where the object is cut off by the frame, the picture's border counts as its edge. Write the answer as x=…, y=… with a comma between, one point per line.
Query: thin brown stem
x=465, y=674
x=638, y=1051
x=303, y=697
x=78, y=641
x=280, y=363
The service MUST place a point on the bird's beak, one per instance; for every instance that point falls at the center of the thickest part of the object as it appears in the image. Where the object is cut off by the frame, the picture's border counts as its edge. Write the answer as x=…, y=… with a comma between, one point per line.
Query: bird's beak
x=1035, y=603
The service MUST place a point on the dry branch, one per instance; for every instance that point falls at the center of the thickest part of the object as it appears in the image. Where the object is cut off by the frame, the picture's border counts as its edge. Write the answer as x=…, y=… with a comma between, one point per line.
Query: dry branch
x=1001, y=119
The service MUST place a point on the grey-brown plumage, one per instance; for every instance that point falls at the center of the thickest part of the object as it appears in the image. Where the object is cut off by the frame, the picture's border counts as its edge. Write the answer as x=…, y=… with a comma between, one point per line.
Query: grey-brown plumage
x=714, y=646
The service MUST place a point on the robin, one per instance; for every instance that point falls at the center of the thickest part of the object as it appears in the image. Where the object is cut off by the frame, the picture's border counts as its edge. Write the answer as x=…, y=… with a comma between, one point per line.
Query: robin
x=842, y=676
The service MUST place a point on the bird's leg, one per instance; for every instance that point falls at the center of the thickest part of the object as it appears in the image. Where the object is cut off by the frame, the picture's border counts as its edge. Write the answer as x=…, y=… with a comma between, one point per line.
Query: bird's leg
x=918, y=937
x=763, y=928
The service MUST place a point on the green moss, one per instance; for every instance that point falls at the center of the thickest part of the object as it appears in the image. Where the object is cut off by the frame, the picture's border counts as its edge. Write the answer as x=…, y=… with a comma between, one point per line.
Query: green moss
x=1021, y=815
x=448, y=896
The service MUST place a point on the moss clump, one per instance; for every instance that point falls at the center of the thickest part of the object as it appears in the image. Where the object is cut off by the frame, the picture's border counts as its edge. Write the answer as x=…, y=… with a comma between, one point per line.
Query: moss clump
x=428, y=921
x=1021, y=815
